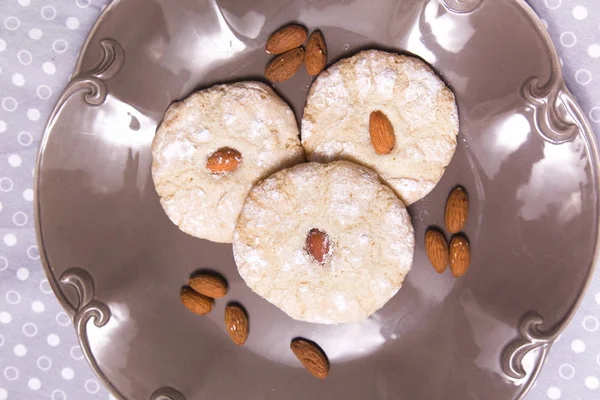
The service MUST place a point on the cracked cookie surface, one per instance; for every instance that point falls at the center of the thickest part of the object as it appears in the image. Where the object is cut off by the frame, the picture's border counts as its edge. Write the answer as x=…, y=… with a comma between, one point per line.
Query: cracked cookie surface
x=247, y=117
x=369, y=250
x=421, y=109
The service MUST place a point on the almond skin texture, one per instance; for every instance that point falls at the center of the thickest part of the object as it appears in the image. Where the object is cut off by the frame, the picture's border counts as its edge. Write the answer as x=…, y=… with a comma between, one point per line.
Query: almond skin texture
x=460, y=255
x=382, y=134
x=287, y=38
x=210, y=285
x=318, y=245
x=285, y=65
x=457, y=210
x=437, y=249
x=196, y=302
x=223, y=161
x=311, y=356
x=316, y=54
x=236, y=322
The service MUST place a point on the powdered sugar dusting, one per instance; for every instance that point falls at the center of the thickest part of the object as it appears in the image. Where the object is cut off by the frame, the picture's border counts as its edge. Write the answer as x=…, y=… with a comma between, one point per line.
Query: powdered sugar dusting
x=254, y=259
x=179, y=150
x=340, y=301
x=299, y=257
x=255, y=129
x=435, y=149
x=223, y=116
x=203, y=136
x=307, y=127
x=420, y=107
x=412, y=189
x=385, y=82
x=354, y=209
x=422, y=82
x=363, y=77
x=229, y=118
x=363, y=239
x=331, y=90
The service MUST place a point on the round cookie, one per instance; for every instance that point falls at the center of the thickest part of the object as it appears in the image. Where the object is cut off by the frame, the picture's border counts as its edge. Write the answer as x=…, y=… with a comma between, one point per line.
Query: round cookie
x=361, y=263
x=212, y=147
x=420, y=107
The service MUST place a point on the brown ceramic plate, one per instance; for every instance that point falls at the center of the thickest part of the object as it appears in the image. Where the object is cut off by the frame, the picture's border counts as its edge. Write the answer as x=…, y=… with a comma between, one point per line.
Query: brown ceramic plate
x=526, y=155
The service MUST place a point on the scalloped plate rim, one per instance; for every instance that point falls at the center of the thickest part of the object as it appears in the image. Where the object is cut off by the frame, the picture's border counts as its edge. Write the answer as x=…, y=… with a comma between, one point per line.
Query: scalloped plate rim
x=540, y=28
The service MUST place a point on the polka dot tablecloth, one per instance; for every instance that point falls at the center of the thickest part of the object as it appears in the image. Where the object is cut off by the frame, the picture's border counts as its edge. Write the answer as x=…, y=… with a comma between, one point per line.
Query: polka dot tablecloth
x=39, y=354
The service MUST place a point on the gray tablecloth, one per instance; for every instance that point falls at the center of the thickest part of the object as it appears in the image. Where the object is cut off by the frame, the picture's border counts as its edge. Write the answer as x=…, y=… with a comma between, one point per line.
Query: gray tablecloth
x=39, y=354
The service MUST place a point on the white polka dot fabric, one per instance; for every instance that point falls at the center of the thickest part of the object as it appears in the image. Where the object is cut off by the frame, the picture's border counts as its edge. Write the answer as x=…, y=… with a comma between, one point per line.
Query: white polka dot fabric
x=39, y=354
x=572, y=371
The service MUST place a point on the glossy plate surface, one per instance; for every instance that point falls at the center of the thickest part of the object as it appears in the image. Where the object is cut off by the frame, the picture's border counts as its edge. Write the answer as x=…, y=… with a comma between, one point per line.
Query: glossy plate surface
x=526, y=156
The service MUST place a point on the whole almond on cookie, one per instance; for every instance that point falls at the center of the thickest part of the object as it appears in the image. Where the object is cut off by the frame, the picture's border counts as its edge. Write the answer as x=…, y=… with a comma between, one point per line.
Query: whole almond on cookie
x=457, y=210
x=460, y=255
x=196, y=302
x=287, y=38
x=318, y=245
x=437, y=249
x=223, y=160
x=285, y=65
x=382, y=134
x=236, y=322
x=311, y=356
x=315, y=58
x=210, y=285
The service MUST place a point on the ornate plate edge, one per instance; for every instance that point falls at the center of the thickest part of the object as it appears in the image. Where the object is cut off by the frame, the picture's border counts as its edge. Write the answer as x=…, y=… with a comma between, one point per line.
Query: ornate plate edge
x=85, y=307
x=530, y=336
x=547, y=97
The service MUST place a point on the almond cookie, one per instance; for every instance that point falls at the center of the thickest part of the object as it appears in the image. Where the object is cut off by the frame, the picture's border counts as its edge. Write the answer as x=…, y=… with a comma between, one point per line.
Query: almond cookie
x=326, y=243
x=212, y=147
x=421, y=109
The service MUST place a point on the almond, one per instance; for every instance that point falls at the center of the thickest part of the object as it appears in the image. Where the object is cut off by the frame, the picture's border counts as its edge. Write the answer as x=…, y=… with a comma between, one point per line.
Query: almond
x=457, y=210
x=196, y=302
x=382, y=134
x=316, y=54
x=287, y=38
x=460, y=255
x=236, y=322
x=437, y=249
x=223, y=161
x=210, y=285
x=285, y=65
x=318, y=245
x=311, y=356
